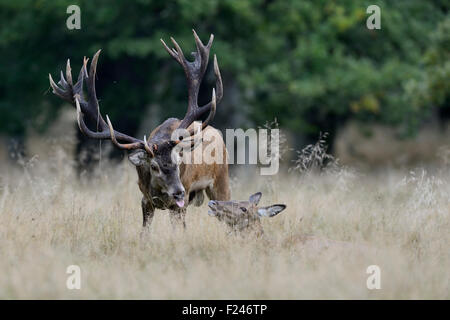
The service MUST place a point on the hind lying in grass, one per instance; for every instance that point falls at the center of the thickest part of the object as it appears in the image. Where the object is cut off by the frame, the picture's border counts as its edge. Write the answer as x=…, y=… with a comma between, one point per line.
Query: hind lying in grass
x=245, y=215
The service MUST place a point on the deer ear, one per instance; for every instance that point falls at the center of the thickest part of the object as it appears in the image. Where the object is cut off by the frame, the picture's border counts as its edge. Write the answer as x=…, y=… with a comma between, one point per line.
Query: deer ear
x=271, y=211
x=254, y=198
x=138, y=158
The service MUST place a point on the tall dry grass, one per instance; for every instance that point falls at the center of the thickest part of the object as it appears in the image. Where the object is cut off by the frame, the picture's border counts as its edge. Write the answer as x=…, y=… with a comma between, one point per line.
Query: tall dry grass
x=50, y=219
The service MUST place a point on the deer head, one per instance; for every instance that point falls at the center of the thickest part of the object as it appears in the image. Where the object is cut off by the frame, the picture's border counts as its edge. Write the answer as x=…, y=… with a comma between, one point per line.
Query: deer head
x=154, y=157
x=243, y=215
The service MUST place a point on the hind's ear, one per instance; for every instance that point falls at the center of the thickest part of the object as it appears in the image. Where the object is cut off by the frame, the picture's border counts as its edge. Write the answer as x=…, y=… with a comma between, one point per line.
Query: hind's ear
x=254, y=198
x=138, y=157
x=271, y=211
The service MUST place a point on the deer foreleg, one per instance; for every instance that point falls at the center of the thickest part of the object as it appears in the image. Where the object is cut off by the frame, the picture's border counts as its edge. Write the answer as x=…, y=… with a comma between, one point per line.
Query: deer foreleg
x=147, y=212
x=177, y=217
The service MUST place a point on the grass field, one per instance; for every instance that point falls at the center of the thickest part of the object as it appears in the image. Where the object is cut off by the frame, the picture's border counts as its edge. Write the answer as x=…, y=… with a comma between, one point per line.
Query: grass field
x=398, y=220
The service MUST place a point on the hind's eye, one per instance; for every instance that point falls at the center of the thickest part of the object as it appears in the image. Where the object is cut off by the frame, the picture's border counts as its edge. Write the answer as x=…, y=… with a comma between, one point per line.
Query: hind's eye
x=244, y=209
x=154, y=167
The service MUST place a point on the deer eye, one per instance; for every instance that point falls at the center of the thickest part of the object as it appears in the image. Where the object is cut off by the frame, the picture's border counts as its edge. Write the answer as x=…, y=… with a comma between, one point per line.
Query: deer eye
x=244, y=209
x=154, y=167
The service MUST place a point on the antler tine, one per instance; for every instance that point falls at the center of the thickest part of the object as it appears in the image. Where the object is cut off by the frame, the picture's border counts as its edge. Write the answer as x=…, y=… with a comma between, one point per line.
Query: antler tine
x=62, y=81
x=195, y=137
x=58, y=91
x=78, y=86
x=212, y=113
x=219, y=87
x=92, y=95
x=68, y=72
x=176, y=53
x=199, y=42
x=127, y=146
x=147, y=147
x=172, y=52
x=82, y=125
x=79, y=114
x=93, y=69
x=180, y=55
x=203, y=50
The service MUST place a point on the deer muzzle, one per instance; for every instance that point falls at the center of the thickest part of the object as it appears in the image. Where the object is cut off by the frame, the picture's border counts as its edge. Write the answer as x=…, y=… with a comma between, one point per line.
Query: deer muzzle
x=178, y=196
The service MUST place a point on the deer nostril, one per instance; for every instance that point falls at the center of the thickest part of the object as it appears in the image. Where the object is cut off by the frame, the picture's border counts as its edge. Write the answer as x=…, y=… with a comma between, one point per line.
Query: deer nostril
x=212, y=203
x=178, y=194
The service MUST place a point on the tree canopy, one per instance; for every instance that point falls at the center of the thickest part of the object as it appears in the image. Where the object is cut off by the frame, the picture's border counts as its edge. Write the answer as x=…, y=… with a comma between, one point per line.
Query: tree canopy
x=310, y=64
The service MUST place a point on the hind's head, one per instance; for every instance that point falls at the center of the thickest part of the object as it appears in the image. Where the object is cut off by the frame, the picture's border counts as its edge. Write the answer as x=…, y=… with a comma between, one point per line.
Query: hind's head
x=244, y=215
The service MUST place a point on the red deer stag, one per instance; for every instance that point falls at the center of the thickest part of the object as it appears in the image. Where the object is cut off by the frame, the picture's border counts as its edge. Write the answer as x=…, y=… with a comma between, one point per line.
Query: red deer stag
x=165, y=181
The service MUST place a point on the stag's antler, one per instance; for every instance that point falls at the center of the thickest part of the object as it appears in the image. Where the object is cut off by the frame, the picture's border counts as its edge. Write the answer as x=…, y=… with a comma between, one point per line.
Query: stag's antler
x=73, y=93
x=195, y=71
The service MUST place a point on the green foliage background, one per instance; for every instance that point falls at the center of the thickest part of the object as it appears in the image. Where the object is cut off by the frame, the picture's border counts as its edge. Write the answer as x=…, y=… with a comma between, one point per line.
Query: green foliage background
x=310, y=64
